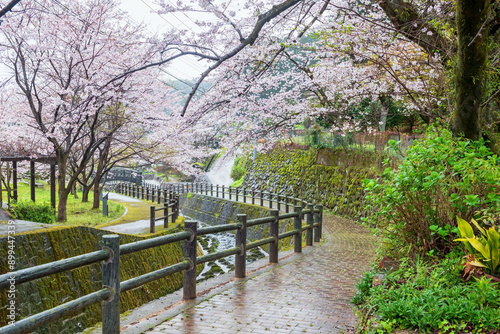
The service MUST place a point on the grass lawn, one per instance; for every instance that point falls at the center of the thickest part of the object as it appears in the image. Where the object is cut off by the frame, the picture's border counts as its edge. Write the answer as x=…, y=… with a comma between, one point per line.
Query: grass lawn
x=78, y=213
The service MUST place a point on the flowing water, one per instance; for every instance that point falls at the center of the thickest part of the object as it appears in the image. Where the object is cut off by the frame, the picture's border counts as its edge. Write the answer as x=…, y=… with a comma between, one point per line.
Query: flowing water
x=218, y=242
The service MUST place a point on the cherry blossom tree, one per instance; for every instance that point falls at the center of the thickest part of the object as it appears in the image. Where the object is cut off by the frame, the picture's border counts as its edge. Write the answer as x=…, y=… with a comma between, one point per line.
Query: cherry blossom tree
x=66, y=58
x=411, y=44
x=313, y=59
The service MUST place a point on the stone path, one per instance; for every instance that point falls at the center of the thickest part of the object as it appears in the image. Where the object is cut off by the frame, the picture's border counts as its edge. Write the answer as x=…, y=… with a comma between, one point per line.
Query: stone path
x=221, y=171
x=309, y=295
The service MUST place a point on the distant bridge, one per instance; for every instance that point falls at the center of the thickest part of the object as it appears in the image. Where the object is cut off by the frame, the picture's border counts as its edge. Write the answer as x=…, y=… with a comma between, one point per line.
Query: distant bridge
x=124, y=175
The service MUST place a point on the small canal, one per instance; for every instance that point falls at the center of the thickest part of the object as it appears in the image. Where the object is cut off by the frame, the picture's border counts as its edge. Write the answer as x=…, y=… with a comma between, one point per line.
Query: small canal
x=219, y=242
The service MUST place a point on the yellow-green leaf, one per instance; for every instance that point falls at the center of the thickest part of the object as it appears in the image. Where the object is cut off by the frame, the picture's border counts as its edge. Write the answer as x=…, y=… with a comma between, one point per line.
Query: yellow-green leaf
x=478, y=227
x=465, y=228
x=483, y=249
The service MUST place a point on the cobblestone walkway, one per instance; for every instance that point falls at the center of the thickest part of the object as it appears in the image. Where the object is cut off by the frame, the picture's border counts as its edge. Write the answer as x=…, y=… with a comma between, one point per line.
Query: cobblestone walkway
x=308, y=295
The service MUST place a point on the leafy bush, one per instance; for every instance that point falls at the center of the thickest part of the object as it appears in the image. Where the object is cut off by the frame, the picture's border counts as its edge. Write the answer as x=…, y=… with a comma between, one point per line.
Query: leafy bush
x=430, y=298
x=239, y=169
x=440, y=178
x=237, y=172
x=35, y=212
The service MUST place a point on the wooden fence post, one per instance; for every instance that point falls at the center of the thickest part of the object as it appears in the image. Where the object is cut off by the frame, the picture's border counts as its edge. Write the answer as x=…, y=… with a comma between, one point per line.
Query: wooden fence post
x=176, y=208
x=158, y=195
x=278, y=203
x=142, y=192
x=111, y=281
x=152, y=219
x=261, y=198
x=274, y=229
x=230, y=191
x=310, y=222
x=319, y=219
x=223, y=190
x=241, y=241
x=236, y=193
x=32, y=180
x=165, y=212
x=217, y=190
x=287, y=205
x=270, y=200
x=189, y=278
x=297, y=225
x=253, y=196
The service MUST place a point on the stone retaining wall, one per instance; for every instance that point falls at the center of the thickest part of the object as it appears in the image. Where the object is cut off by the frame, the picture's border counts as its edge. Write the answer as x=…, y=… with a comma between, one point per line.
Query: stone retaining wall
x=333, y=178
x=217, y=211
x=37, y=248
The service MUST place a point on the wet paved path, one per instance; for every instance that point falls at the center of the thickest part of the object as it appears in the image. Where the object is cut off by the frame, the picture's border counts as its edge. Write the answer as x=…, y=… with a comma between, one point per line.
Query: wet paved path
x=308, y=295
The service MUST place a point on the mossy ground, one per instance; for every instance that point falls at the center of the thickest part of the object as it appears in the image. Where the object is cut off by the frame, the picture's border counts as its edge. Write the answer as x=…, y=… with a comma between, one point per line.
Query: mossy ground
x=78, y=213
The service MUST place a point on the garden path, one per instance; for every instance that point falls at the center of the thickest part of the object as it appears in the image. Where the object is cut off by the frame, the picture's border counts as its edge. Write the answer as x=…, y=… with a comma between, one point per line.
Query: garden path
x=221, y=171
x=306, y=293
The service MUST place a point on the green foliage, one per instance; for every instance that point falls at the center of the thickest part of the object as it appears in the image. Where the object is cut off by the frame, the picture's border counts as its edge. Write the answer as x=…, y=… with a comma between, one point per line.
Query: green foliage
x=485, y=246
x=237, y=172
x=78, y=213
x=35, y=212
x=440, y=178
x=363, y=288
x=238, y=183
x=239, y=169
x=430, y=298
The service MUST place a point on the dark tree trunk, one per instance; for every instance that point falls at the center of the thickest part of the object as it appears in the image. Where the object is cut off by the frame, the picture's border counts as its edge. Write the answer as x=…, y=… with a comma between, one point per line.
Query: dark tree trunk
x=62, y=191
x=471, y=72
x=74, y=191
x=85, y=193
x=97, y=191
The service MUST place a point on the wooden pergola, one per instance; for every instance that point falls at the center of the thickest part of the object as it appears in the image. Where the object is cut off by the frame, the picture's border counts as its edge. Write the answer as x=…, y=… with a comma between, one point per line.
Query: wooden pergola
x=52, y=160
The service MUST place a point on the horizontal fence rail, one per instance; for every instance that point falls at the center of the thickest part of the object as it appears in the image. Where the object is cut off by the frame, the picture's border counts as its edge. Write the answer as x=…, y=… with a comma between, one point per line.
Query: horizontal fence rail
x=155, y=193
x=111, y=251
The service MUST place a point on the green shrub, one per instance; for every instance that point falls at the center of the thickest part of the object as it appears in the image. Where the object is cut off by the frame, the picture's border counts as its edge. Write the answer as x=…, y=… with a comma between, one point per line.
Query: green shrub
x=237, y=172
x=240, y=167
x=431, y=298
x=35, y=212
x=440, y=178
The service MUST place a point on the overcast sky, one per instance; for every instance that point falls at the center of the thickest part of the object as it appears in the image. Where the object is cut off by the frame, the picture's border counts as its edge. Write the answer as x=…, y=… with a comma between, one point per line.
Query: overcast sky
x=145, y=11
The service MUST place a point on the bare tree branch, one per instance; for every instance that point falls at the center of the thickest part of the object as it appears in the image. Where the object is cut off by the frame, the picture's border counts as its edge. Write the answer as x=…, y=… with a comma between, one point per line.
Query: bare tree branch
x=262, y=20
x=9, y=7
x=407, y=21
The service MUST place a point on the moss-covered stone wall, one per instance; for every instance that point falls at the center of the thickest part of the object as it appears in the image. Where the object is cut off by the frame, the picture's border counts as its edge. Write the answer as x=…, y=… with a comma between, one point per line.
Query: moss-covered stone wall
x=57, y=243
x=333, y=178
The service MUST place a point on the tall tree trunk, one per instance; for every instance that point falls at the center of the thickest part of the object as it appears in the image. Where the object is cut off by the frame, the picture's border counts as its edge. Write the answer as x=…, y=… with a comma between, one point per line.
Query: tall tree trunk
x=85, y=193
x=384, y=111
x=62, y=192
x=97, y=192
x=103, y=154
x=471, y=72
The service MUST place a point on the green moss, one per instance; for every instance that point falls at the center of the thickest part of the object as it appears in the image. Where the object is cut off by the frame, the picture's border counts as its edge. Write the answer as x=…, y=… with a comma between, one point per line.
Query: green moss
x=333, y=178
x=35, y=248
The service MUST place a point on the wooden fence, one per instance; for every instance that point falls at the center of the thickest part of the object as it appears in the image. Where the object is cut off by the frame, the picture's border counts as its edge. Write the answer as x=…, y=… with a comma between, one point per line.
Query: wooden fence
x=111, y=251
x=159, y=194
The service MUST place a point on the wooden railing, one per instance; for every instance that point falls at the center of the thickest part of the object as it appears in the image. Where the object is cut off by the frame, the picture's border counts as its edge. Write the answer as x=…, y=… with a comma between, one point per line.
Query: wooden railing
x=257, y=197
x=109, y=295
